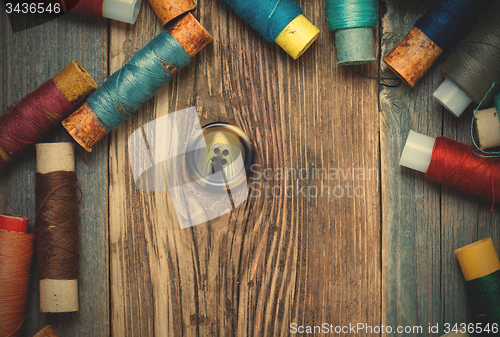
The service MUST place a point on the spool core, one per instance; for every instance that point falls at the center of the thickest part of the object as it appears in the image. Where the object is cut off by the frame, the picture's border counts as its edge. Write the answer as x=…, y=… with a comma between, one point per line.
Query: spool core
x=413, y=56
x=417, y=153
x=121, y=10
x=478, y=259
x=452, y=97
x=355, y=46
x=297, y=36
x=13, y=223
x=487, y=125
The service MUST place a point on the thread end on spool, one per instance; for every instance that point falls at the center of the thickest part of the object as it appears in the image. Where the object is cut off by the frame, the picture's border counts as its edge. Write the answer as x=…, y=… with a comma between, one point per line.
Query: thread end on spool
x=413, y=56
x=478, y=259
x=297, y=36
x=417, y=153
x=355, y=46
x=452, y=97
x=14, y=223
x=487, y=124
x=121, y=10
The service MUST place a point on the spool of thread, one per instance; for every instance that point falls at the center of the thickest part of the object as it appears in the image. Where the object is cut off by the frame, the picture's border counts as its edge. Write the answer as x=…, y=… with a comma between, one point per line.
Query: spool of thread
x=167, y=10
x=487, y=125
x=38, y=113
x=56, y=227
x=119, y=10
x=453, y=164
x=473, y=66
x=439, y=30
x=124, y=91
x=353, y=22
x=16, y=254
x=481, y=268
x=280, y=21
x=48, y=331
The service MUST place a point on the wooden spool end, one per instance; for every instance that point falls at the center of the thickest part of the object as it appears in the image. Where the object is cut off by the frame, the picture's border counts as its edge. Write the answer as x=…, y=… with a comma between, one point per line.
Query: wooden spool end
x=167, y=10
x=48, y=331
x=82, y=125
x=413, y=56
x=487, y=124
x=57, y=295
x=297, y=36
x=75, y=83
x=478, y=259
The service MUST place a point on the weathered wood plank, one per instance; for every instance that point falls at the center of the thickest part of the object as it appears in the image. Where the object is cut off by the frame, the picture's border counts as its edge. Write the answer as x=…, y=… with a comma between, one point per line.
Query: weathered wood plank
x=272, y=261
x=423, y=222
x=28, y=59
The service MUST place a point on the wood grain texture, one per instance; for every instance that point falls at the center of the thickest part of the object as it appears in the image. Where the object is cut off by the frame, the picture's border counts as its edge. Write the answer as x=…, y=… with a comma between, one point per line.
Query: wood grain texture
x=28, y=59
x=422, y=222
x=273, y=261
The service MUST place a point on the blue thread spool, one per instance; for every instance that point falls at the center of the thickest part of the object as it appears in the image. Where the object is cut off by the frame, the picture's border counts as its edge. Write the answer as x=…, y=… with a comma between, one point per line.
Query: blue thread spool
x=441, y=28
x=353, y=22
x=280, y=21
x=127, y=89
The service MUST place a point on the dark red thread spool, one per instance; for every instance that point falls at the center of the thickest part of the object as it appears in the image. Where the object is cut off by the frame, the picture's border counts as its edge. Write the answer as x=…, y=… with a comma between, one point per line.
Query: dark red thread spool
x=452, y=163
x=28, y=122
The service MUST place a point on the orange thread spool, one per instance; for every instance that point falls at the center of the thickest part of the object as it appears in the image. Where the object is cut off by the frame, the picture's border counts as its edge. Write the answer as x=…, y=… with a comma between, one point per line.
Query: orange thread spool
x=16, y=255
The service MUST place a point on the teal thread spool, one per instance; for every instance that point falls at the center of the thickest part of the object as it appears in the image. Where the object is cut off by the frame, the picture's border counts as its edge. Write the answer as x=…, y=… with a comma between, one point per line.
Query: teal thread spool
x=481, y=268
x=124, y=91
x=353, y=22
x=280, y=21
x=127, y=89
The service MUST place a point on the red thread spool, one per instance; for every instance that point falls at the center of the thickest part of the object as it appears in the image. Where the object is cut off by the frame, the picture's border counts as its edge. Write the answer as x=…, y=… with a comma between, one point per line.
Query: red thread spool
x=16, y=254
x=454, y=164
x=29, y=121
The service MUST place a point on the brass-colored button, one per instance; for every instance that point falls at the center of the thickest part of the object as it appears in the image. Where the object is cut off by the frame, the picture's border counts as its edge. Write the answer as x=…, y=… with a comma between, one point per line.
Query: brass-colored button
x=219, y=147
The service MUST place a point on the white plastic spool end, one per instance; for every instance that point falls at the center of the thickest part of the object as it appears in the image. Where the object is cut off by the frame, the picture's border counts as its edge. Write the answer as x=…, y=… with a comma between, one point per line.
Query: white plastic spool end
x=417, y=152
x=121, y=10
x=452, y=97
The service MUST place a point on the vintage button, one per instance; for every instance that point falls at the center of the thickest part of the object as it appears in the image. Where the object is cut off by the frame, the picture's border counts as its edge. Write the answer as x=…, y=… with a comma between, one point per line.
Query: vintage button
x=219, y=156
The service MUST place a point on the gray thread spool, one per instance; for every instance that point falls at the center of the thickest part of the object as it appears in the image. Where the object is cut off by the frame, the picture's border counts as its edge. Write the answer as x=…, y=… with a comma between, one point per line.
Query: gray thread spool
x=474, y=65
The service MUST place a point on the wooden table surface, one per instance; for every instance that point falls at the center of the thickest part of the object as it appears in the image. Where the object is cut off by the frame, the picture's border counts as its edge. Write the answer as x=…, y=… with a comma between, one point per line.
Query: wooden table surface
x=383, y=257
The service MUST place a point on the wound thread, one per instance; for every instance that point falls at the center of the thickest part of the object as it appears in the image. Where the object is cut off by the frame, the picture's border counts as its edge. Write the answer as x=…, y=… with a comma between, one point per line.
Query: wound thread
x=27, y=122
x=342, y=14
x=137, y=81
x=448, y=21
x=268, y=17
x=475, y=63
x=56, y=225
x=16, y=254
x=457, y=165
x=484, y=298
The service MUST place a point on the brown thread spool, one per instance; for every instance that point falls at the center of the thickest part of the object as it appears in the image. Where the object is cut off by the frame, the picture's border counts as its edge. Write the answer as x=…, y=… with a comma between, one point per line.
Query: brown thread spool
x=167, y=10
x=48, y=331
x=56, y=227
x=87, y=131
x=16, y=254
